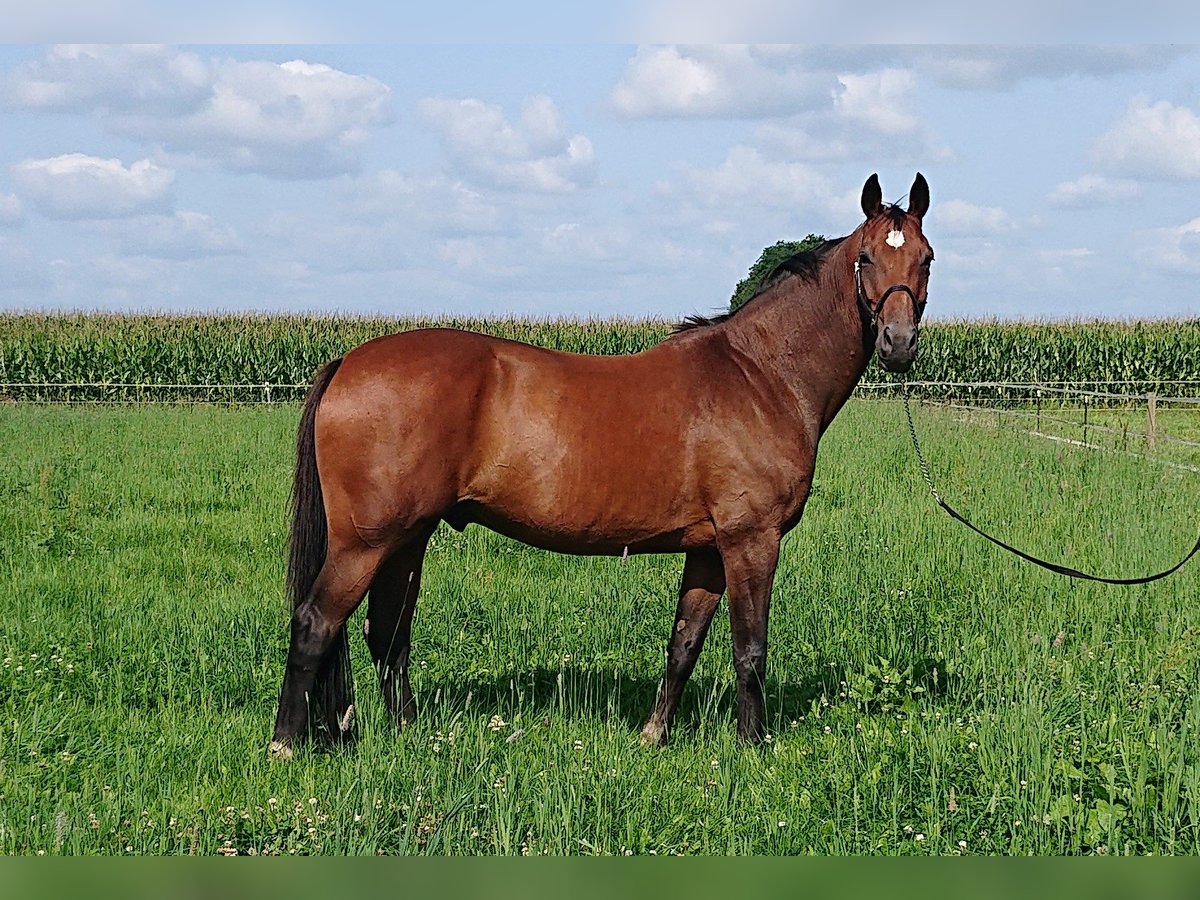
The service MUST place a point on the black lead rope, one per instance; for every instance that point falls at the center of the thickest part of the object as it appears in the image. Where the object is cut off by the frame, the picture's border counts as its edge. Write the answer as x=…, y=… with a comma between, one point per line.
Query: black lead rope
x=1053, y=567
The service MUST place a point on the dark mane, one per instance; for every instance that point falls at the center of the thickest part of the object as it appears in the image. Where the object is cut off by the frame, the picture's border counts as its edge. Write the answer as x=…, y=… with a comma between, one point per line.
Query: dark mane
x=805, y=265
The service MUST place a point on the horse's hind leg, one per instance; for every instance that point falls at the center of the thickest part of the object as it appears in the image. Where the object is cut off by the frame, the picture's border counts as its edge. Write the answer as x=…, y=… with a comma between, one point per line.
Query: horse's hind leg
x=750, y=570
x=318, y=648
x=388, y=628
x=699, y=593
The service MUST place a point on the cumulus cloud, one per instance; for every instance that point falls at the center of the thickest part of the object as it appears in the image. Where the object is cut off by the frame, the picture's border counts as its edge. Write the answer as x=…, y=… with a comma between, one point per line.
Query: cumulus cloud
x=879, y=100
x=1092, y=191
x=963, y=219
x=77, y=186
x=820, y=104
x=867, y=82
x=1152, y=140
x=294, y=119
x=870, y=117
x=721, y=82
x=133, y=77
x=536, y=154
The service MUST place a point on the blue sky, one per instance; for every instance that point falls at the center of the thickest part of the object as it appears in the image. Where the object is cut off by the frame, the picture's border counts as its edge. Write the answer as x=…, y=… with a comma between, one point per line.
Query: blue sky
x=587, y=180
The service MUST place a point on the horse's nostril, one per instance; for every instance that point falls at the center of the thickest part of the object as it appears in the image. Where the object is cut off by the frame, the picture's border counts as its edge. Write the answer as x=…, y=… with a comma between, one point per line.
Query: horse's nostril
x=912, y=341
x=887, y=338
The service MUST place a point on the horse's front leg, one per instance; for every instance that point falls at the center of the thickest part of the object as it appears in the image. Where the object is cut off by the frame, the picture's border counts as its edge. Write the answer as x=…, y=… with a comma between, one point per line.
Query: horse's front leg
x=750, y=561
x=699, y=593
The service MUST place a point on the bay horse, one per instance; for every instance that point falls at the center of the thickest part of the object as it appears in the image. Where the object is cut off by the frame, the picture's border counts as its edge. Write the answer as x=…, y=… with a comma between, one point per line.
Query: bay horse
x=705, y=445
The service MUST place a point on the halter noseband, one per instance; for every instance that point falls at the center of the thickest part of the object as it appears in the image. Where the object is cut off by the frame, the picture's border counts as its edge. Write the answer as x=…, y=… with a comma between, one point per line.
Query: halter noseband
x=872, y=310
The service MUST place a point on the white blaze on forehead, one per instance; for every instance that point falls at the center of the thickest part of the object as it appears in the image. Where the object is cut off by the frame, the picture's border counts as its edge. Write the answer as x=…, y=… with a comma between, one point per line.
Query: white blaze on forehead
x=895, y=239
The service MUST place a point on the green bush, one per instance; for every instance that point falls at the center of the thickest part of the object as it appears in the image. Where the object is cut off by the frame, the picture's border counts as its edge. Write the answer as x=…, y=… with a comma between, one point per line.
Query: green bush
x=768, y=260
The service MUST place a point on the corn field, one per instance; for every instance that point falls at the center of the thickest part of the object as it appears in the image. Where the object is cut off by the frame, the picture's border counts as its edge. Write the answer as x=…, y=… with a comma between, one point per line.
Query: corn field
x=113, y=357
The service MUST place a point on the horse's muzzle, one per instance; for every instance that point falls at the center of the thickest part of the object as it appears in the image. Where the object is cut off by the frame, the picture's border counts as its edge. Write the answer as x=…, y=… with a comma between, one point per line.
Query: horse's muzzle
x=896, y=346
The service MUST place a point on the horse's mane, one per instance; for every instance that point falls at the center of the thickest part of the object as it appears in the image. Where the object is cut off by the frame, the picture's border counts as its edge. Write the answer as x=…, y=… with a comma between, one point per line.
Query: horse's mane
x=805, y=265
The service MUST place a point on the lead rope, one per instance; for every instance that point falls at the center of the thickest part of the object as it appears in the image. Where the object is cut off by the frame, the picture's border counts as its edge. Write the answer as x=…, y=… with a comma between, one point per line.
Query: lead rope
x=1053, y=567
x=912, y=431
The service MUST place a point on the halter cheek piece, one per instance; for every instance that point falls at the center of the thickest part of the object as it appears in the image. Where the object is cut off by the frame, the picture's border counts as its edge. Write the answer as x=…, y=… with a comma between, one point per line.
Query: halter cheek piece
x=872, y=310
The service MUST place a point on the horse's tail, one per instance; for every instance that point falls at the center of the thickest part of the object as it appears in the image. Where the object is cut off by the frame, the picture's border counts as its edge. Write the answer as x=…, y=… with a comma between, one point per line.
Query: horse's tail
x=332, y=694
x=310, y=531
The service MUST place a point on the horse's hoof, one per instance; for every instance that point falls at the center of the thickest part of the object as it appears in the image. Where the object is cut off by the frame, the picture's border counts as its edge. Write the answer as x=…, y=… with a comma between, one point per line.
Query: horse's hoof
x=279, y=750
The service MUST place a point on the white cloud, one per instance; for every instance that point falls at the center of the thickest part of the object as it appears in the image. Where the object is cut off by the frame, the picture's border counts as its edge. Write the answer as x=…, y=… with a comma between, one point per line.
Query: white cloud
x=294, y=119
x=76, y=186
x=535, y=155
x=11, y=210
x=959, y=218
x=720, y=81
x=747, y=179
x=1091, y=191
x=131, y=77
x=1152, y=140
x=821, y=104
x=184, y=235
x=870, y=117
x=871, y=82
x=879, y=100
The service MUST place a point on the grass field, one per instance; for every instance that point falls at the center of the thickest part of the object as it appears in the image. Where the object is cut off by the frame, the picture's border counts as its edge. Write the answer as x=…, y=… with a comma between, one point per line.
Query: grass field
x=927, y=694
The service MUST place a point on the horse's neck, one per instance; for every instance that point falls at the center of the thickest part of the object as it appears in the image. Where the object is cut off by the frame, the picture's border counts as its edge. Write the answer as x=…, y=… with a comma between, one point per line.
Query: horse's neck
x=807, y=337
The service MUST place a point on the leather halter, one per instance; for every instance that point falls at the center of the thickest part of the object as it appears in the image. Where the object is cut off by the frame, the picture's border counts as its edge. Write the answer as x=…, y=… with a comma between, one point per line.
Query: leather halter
x=872, y=310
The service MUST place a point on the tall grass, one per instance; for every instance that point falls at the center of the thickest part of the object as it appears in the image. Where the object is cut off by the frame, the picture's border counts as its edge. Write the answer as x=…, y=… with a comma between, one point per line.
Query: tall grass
x=287, y=350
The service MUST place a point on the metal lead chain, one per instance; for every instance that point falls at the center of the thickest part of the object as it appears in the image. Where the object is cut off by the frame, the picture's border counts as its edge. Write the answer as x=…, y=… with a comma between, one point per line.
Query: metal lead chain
x=912, y=431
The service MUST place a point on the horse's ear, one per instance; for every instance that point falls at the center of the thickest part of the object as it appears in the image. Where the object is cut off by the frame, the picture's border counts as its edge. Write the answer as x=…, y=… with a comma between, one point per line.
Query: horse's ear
x=918, y=197
x=872, y=197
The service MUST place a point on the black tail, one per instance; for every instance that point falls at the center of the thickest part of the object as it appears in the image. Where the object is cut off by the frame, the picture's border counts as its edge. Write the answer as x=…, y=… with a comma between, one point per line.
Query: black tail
x=310, y=533
x=333, y=691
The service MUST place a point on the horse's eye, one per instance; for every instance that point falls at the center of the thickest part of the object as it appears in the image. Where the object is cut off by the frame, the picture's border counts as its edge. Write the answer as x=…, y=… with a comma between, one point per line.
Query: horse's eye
x=927, y=262
x=863, y=259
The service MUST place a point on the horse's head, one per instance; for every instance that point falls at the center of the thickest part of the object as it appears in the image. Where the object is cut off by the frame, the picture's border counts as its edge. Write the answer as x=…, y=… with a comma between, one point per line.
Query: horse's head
x=892, y=271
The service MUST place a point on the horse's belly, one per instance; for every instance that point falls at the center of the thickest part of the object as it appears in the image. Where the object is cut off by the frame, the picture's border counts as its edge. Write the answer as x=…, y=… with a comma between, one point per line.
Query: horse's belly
x=564, y=533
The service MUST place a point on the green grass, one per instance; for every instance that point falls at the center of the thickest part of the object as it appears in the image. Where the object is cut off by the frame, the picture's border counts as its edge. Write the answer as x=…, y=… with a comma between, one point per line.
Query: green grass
x=143, y=632
x=1123, y=429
